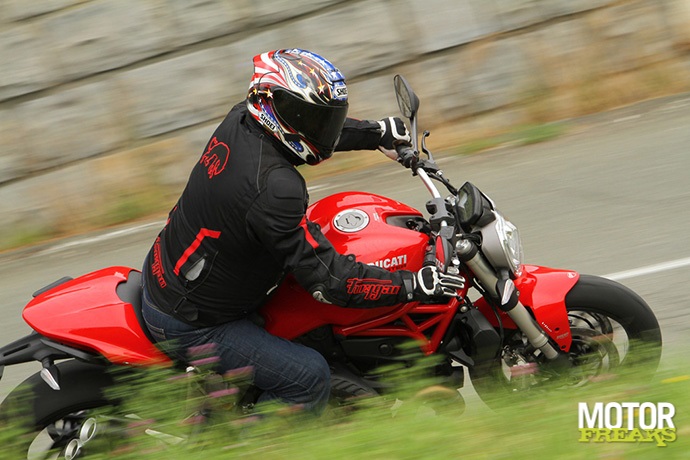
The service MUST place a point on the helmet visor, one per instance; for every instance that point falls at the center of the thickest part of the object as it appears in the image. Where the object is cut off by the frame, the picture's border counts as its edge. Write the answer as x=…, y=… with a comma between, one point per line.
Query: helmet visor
x=321, y=125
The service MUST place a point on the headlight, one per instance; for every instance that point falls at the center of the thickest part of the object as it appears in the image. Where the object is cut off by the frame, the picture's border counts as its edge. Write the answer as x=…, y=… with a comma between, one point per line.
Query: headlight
x=501, y=245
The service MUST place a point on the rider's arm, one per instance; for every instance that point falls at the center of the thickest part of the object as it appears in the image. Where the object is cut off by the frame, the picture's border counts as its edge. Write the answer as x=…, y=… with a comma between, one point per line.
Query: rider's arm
x=359, y=135
x=372, y=135
x=277, y=219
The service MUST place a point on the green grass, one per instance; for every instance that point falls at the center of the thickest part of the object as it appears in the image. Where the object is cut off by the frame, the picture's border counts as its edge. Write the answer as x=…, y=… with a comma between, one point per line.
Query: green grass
x=127, y=206
x=521, y=135
x=406, y=425
x=123, y=207
x=25, y=236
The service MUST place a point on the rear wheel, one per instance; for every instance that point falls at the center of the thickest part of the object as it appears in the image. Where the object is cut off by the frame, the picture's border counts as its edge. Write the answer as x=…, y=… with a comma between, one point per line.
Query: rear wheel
x=58, y=424
x=613, y=329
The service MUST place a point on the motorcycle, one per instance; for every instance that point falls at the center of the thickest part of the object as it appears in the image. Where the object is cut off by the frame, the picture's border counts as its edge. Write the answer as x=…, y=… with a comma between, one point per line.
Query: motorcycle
x=526, y=327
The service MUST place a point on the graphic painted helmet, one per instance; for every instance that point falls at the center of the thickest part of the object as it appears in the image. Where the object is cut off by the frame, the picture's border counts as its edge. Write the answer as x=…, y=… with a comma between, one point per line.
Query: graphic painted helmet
x=299, y=98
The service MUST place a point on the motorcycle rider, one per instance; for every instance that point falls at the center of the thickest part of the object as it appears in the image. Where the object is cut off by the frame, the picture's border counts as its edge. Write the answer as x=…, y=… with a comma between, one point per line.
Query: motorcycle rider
x=239, y=227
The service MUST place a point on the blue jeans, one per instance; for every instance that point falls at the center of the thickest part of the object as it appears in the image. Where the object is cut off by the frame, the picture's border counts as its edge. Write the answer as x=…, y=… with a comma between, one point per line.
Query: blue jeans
x=286, y=371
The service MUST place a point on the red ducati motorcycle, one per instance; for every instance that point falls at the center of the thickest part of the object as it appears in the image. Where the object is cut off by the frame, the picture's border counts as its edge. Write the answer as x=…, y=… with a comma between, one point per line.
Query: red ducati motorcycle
x=510, y=316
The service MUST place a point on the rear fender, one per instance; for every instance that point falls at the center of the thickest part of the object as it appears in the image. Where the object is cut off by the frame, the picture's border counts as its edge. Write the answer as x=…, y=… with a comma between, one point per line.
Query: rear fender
x=35, y=347
x=542, y=291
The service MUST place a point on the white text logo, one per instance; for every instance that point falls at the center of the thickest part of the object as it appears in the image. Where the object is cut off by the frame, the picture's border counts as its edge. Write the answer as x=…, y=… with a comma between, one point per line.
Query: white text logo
x=396, y=262
x=627, y=422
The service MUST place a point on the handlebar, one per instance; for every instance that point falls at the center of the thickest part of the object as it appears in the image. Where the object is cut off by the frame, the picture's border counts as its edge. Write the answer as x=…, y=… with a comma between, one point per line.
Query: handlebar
x=409, y=158
x=440, y=248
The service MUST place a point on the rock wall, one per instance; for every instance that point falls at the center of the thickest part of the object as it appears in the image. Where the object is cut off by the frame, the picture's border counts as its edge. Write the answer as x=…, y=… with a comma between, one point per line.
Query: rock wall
x=106, y=104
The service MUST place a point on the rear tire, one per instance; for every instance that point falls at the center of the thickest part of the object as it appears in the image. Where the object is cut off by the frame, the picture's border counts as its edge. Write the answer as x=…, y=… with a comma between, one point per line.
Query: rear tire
x=61, y=416
x=612, y=329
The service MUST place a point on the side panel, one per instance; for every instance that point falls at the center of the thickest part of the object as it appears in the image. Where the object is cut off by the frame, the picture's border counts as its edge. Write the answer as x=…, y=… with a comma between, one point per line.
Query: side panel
x=543, y=291
x=293, y=312
x=87, y=313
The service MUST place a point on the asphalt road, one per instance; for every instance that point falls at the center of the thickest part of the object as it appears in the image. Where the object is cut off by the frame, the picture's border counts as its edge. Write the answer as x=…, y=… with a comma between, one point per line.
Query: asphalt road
x=609, y=198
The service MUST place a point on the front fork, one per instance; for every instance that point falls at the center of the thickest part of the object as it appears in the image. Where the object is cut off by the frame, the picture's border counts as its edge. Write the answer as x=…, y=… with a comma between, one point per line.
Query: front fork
x=502, y=289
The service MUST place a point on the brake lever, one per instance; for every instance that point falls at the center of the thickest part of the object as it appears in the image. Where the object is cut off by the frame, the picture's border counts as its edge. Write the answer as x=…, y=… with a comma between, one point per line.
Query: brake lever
x=426, y=134
x=430, y=164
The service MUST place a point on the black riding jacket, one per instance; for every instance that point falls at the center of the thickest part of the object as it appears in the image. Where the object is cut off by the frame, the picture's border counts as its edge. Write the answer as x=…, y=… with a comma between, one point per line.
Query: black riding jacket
x=239, y=227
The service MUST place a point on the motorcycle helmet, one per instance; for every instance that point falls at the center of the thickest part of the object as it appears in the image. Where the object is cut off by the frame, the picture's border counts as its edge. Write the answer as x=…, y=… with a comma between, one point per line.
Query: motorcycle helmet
x=299, y=98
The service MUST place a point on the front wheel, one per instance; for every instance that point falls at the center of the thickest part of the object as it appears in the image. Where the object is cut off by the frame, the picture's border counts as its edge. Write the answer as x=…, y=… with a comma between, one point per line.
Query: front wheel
x=612, y=329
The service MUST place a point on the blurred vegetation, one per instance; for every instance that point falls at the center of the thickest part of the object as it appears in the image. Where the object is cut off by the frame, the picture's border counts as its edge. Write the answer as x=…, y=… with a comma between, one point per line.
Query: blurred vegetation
x=525, y=66
x=541, y=105
x=418, y=420
x=26, y=236
x=521, y=135
x=127, y=206
x=123, y=206
x=130, y=204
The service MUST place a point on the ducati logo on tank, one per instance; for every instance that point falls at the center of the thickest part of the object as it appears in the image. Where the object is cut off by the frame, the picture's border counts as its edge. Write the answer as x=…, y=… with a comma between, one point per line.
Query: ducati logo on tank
x=392, y=263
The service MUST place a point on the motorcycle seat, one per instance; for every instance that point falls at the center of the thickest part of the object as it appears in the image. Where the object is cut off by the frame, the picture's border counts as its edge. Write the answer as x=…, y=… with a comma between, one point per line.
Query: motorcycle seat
x=130, y=292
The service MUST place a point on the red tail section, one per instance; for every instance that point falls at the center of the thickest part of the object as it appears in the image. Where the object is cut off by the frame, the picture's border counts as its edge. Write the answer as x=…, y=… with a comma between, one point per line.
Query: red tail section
x=87, y=313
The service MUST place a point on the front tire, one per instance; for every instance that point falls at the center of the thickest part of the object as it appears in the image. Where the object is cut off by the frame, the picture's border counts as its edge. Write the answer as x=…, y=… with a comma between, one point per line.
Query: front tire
x=613, y=329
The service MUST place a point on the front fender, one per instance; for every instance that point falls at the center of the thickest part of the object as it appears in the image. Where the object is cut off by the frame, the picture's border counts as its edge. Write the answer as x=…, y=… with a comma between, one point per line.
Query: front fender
x=542, y=291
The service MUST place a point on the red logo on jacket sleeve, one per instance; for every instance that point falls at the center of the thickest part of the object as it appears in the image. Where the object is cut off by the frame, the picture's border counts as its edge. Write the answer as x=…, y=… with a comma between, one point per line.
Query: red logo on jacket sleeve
x=215, y=158
x=372, y=289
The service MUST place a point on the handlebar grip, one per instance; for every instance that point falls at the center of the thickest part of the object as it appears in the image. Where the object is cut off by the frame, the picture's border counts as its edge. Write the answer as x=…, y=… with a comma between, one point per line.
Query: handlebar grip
x=406, y=155
x=430, y=257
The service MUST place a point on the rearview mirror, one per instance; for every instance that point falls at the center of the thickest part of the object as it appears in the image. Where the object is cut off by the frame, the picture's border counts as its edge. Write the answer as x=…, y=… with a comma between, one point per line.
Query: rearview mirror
x=408, y=102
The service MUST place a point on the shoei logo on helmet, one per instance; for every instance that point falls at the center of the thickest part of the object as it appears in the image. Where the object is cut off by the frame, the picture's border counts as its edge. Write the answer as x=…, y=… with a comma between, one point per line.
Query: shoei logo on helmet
x=266, y=120
x=340, y=91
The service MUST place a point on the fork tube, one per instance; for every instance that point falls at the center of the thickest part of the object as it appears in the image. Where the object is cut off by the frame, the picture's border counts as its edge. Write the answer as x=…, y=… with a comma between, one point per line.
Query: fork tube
x=469, y=254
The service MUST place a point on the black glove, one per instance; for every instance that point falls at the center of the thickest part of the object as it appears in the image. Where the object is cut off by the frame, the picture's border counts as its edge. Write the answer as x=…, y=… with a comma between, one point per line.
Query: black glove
x=431, y=284
x=393, y=130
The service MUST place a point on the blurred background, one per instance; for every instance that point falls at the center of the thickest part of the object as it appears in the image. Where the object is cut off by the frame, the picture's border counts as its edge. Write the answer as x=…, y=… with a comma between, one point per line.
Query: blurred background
x=105, y=105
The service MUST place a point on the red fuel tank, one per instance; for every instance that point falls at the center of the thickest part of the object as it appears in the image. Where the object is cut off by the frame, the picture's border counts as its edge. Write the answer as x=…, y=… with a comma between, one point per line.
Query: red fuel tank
x=374, y=229
x=371, y=227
